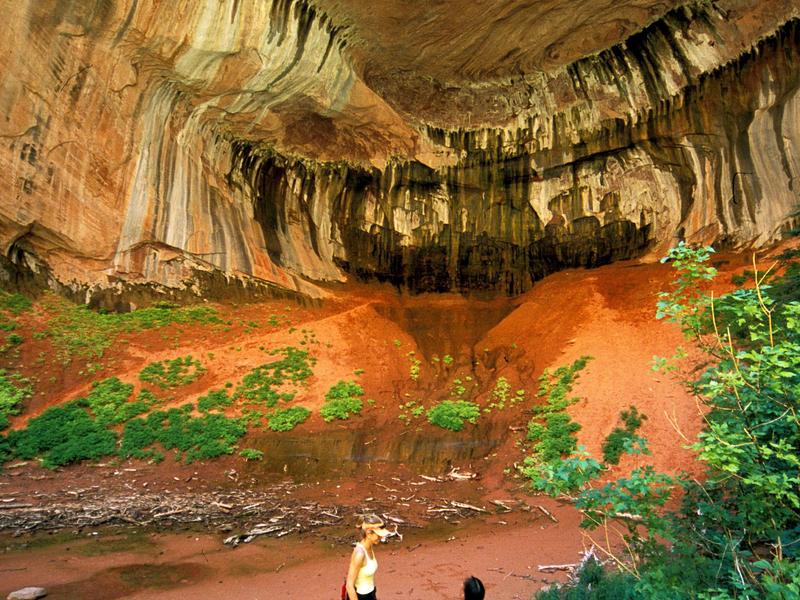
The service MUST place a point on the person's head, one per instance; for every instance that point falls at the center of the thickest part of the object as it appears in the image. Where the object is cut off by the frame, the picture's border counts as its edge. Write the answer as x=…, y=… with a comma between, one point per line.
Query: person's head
x=371, y=527
x=473, y=589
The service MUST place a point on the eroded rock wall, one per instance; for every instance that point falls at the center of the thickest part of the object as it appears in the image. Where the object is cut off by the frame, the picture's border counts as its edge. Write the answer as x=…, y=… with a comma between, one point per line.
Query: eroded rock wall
x=163, y=143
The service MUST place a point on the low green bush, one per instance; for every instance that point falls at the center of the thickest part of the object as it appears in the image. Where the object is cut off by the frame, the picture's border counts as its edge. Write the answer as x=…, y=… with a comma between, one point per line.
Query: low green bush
x=341, y=409
x=621, y=437
x=214, y=400
x=15, y=303
x=172, y=373
x=192, y=438
x=13, y=391
x=79, y=331
x=286, y=419
x=593, y=582
x=344, y=389
x=262, y=384
x=109, y=403
x=62, y=435
x=342, y=400
x=555, y=437
x=557, y=465
x=451, y=414
x=251, y=454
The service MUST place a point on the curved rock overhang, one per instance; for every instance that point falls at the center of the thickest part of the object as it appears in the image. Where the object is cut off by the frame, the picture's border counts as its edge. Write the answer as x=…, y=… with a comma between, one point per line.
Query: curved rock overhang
x=180, y=147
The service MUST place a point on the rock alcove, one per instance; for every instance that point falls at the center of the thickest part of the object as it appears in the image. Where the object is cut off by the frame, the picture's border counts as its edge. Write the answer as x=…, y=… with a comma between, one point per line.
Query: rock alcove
x=274, y=146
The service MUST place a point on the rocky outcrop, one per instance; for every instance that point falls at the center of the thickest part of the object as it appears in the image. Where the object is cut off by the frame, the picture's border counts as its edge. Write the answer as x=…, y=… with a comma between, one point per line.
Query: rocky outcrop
x=282, y=143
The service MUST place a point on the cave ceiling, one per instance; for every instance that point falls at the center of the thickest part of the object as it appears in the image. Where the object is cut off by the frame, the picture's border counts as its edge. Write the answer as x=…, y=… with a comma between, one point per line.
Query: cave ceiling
x=438, y=145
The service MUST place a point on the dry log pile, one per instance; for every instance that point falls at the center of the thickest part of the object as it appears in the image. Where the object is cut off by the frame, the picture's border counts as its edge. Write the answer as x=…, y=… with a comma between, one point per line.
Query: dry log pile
x=242, y=513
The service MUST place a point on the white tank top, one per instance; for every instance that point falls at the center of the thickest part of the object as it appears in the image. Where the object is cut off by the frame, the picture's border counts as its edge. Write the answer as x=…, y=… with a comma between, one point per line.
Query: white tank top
x=365, y=578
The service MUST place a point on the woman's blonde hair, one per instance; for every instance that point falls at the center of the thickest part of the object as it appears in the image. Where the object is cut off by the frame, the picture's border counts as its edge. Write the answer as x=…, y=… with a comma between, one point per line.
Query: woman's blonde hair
x=367, y=519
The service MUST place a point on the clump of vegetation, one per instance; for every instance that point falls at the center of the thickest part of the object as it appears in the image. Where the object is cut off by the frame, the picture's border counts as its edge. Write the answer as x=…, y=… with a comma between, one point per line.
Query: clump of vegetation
x=261, y=385
x=192, y=438
x=251, y=454
x=557, y=464
x=621, y=438
x=7, y=324
x=411, y=410
x=16, y=304
x=447, y=360
x=458, y=389
x=342, y=401
x=77, y=331
x=214, y=400
x=414, y=368
x=286, y=419
x=62, y=435
x=593, y=582
x=500, y=393
x=13, y=391
x=451, y=414
x=735, y=532
x=172, y=373
x=552, y=430
x=109, y=402
x=502, y=397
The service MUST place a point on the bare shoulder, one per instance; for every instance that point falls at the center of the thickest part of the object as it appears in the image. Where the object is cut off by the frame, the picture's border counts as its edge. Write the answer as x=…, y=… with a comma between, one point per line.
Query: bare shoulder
x=358, y=553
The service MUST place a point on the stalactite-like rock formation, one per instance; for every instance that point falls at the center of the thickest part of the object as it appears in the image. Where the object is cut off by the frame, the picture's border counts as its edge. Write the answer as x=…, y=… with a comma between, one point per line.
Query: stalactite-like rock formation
x=265, y=145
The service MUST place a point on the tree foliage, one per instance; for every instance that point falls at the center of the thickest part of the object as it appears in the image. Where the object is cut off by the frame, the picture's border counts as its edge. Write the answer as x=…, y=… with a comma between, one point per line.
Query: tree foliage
x=736, y=533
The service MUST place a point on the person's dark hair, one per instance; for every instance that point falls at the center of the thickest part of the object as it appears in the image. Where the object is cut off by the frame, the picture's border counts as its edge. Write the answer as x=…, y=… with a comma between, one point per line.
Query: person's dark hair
x=473, y=589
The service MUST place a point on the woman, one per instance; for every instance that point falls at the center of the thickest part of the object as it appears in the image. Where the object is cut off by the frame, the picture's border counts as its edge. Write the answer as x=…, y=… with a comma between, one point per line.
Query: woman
x=360, y=582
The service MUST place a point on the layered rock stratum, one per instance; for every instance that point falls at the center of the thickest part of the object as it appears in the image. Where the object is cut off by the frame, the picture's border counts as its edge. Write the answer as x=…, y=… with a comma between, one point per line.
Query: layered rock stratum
x=205, y=147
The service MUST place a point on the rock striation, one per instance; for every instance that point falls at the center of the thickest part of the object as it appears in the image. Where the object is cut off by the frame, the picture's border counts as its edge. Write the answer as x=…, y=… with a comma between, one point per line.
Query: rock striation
x=260, y=146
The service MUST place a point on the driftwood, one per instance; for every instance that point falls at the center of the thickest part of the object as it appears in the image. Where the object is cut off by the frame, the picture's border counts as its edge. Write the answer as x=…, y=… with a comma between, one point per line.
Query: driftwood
x=547, y=513
x=242, y=514
x=274, y=512
x=554, y=568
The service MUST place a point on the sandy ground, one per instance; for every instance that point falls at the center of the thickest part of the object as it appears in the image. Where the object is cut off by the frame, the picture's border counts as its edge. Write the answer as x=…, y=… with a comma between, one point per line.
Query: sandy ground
x=606, y=313
x=503, y=550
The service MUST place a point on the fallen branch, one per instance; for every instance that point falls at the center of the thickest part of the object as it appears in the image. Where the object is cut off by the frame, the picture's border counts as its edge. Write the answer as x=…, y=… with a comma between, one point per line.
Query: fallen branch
x=554, y=568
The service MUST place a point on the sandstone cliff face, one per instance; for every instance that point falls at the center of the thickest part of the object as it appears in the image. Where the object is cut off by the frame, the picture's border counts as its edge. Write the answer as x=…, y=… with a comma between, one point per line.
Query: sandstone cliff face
x=187, y=145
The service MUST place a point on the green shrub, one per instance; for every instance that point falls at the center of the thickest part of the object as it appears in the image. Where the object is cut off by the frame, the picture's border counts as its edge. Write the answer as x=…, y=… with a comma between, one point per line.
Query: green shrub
x=108, y=402
x=137, y=437
x=251, y=454
x=261, y=385
x=561, y=475
x=451, y=414
x=342, y=400
x=78, y=331
x=414, y=368
x=14, y=339
x=61, y=435
x=620, y=438
x=15, y=303
x=193, y=438
x=557, y=466
x=593, y=582
x=214, y=400
x=735, y=532
x=13, y=391
x=555, y=437
x=344, y=389
x=286, y=419
x=172, y=373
